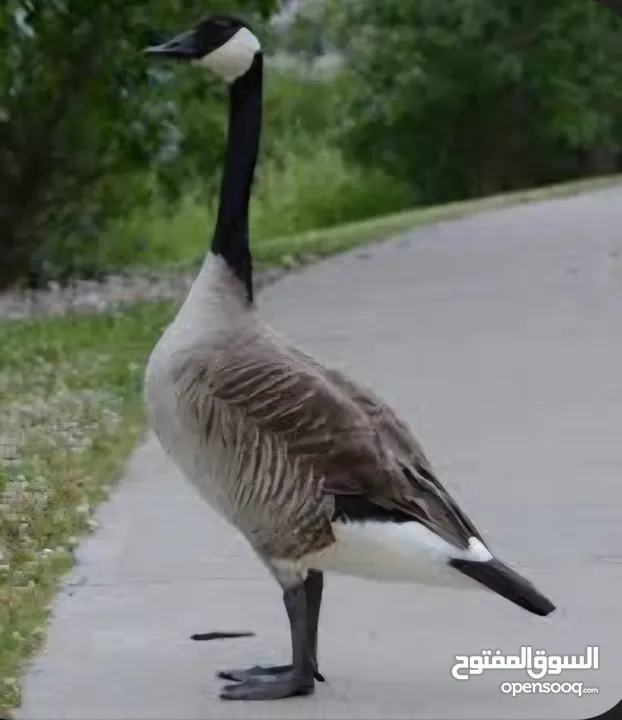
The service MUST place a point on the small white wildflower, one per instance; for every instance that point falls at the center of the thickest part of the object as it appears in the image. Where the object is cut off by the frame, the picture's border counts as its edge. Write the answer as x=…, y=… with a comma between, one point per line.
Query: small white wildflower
x=40, y=483
x=92, y=524
x=72, y=542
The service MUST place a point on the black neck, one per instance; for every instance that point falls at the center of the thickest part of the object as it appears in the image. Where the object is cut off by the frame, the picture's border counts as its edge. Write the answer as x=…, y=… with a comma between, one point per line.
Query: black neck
x=231, y=238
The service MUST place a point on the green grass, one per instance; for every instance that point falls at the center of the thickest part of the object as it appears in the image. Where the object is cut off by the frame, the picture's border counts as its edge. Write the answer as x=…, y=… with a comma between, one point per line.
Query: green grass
x=311, y=206
x=71, y=407
x=70, y=413
x=331, y=240
x=299, y=192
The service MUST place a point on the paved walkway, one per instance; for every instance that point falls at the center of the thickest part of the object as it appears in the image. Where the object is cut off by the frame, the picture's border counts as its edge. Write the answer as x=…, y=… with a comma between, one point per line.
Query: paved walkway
x=499, y=338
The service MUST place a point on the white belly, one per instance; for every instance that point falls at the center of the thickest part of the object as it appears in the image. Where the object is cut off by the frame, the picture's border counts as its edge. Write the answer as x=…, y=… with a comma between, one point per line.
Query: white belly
x=183, y=444
x=215, y=307
x=406, y=552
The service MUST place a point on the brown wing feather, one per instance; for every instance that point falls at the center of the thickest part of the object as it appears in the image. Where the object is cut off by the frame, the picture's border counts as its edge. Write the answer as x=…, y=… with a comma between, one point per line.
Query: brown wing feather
x=426, y=492
x=411, y=457
x=349, y=437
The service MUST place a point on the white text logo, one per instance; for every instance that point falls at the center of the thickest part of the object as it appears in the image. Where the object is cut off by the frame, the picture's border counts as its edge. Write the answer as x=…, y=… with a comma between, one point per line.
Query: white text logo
x=536, y=663
x=546, y=688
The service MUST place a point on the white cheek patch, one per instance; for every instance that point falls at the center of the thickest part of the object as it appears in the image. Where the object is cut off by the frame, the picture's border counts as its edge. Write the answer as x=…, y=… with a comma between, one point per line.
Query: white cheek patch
x=234, y=58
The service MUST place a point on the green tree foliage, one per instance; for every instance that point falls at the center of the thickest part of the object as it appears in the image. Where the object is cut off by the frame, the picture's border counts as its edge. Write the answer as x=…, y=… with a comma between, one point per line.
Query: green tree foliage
x=86, y=124
x=304, y=34
x=466, y=97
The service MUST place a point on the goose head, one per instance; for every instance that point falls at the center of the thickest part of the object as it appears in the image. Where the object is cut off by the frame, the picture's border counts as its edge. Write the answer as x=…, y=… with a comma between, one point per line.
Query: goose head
x=223, y=44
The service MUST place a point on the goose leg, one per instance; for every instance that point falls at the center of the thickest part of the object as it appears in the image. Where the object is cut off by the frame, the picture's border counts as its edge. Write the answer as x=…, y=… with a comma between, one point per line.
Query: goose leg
x=297, y=679
x=314, y=585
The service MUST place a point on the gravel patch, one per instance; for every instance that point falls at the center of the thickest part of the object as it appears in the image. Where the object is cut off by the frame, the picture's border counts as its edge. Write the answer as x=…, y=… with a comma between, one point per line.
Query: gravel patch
x=96, y=296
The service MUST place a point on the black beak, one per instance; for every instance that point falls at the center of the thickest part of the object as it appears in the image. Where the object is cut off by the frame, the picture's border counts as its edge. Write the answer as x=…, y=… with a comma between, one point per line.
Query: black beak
x=182, y=47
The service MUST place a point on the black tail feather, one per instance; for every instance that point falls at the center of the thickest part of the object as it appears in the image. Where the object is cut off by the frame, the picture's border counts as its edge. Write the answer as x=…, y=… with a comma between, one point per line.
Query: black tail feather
x=506, y=582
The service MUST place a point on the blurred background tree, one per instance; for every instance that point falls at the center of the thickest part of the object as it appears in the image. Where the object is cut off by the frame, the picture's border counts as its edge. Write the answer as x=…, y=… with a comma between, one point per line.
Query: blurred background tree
x=469, y=97
x=371, y=106
x=82, y=117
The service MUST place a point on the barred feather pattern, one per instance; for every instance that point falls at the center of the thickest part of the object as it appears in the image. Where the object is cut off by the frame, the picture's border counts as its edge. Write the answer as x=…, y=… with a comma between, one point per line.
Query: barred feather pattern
x=281, y=445
x=233, y=400
x=423, y=497
x=290, y=439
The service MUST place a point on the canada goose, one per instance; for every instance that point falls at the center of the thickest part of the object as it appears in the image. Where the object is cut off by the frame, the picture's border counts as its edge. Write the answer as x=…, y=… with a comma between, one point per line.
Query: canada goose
x=312, y=468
